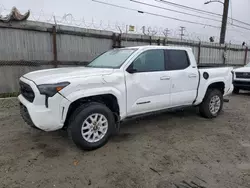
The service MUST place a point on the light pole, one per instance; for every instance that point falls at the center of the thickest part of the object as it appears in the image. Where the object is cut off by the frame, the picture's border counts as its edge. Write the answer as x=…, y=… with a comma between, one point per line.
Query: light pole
x=224, y=18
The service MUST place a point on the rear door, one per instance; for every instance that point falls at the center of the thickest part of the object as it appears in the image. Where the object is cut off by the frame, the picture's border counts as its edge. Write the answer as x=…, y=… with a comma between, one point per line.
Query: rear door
x=184, y=77
x=148, y=85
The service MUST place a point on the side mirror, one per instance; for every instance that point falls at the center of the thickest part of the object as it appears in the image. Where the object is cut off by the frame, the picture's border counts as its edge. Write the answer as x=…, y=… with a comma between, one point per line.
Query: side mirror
x=131, y=70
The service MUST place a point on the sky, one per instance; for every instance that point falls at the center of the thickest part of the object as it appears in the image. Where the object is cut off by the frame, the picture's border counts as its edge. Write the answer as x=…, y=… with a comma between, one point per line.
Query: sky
x=109, y=18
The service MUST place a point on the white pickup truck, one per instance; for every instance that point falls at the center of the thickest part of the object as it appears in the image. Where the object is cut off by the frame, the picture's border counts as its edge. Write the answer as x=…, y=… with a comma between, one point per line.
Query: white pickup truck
x=241, y=79
x=91, y=101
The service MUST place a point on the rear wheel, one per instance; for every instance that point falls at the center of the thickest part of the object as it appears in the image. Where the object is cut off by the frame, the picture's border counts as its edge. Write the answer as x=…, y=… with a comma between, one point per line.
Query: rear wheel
x=236, y=90
x=211, y=104
x=91, y=126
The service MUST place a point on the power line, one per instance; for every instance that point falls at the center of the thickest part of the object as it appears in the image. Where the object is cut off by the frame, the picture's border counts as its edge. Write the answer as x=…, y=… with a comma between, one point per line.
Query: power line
x=187, y=7
x=180, y=12
x=240, y=27
x=244, y=23
x=153, y=14
x=163, y=16
x=198, y=10
x=135, y=1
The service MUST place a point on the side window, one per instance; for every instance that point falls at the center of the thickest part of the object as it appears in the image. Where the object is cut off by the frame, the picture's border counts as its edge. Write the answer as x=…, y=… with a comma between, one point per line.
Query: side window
x=177, y=59
x=150, y=61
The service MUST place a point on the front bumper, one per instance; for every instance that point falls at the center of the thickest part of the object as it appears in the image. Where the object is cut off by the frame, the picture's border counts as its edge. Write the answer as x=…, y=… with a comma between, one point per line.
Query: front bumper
x=242, y=84
x=40, y=116
x=37, y=114
x=25, y=115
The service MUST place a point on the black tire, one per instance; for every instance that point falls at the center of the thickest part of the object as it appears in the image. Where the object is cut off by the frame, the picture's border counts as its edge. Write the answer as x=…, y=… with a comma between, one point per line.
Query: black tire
x=80, y=115
x=204, y=106
x=236, y=90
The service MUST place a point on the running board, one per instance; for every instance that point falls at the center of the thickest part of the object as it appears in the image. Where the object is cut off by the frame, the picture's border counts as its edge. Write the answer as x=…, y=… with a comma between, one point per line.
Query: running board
x=226, y=100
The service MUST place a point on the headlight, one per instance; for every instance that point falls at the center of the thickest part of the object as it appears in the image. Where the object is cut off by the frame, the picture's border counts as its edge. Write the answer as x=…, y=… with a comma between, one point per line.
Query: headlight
x=51, y=89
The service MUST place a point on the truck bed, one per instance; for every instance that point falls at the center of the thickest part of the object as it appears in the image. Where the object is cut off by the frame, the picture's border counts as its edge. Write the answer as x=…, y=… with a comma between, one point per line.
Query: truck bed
x=215, y=74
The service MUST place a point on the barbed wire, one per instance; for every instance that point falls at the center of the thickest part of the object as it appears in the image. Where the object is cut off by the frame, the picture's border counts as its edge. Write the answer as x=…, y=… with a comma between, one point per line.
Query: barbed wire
x=121, y=27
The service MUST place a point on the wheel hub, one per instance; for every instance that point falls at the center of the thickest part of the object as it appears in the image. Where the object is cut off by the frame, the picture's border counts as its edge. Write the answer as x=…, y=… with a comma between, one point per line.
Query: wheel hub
x=215, y=104
x=94, y=127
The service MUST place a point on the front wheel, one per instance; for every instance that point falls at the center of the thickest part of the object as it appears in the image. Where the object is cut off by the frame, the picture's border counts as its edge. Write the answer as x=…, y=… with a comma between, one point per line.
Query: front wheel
x=211, y=104
x=91, y=125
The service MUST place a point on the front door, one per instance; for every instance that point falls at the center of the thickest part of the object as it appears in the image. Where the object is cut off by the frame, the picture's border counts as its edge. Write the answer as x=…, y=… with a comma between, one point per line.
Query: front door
x=148, y=84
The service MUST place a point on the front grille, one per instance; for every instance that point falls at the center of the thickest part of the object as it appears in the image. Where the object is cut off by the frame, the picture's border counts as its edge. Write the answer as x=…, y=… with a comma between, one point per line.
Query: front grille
x=243, y=75
x=241, y=83
x=27, y=91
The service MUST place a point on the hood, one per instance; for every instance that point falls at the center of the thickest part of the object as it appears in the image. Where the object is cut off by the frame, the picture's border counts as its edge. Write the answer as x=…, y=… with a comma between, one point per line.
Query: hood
x=57, y=75
x=242, y=69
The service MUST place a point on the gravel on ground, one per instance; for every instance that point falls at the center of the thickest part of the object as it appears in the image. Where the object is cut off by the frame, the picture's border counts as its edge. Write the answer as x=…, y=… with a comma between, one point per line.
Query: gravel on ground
x=162, y=151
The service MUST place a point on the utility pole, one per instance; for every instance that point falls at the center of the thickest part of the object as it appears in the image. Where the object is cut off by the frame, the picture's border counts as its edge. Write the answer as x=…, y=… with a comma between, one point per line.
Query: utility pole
x=224, y=18
x=166, y=32
x=182, y=29
x=224, y=22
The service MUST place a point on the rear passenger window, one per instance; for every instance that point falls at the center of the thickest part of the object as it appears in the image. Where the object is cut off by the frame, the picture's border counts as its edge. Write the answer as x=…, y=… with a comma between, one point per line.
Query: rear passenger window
x=177, y=59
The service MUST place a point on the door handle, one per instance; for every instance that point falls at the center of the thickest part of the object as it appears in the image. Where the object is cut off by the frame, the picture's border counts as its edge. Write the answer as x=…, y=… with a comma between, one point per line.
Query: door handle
x=192, y=75
x=165, y=78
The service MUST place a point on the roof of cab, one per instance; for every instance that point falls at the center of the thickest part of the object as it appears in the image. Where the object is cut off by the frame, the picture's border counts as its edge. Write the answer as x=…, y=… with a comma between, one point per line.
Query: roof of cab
x=159, y=47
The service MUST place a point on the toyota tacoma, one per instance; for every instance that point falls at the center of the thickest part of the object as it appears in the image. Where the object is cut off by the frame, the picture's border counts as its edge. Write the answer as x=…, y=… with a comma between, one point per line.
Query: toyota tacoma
x=91, y=101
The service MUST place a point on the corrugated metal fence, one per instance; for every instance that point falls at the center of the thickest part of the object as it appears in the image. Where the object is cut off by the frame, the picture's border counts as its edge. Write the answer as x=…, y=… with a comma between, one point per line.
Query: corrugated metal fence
x=29, y=46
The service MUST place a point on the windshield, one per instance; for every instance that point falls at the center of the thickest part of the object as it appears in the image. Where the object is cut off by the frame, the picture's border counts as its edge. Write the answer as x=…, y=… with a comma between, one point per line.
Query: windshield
x=112, y=59
x=248, y=65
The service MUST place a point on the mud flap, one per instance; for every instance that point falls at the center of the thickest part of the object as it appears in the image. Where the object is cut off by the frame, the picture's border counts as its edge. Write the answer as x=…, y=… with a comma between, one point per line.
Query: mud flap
x=117, y=125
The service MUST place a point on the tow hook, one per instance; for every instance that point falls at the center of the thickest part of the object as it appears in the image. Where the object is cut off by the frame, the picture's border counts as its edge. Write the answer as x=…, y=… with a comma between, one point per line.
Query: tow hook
x=226, y=100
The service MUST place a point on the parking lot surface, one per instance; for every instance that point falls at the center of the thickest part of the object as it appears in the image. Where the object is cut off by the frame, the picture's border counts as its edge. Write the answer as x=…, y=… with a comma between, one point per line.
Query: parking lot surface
x=163, y=151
